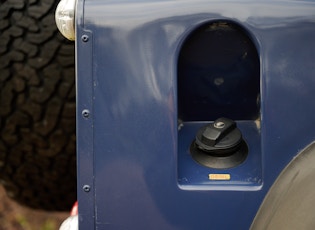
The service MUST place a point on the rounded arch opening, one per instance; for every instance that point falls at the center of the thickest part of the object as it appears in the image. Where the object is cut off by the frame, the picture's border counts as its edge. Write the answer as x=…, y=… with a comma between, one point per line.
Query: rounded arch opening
x=218, y=74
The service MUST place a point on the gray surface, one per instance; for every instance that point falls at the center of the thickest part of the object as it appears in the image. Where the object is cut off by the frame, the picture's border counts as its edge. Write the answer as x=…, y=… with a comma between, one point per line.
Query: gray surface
x=290, y=203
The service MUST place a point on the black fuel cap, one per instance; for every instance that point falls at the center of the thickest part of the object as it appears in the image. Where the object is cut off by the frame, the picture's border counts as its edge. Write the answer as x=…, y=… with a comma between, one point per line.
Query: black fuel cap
x=219, y=144
x=220, y=137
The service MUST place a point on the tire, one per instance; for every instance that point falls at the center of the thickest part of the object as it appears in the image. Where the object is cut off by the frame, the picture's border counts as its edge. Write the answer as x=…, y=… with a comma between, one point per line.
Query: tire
x=290, y=202
x=37, y=107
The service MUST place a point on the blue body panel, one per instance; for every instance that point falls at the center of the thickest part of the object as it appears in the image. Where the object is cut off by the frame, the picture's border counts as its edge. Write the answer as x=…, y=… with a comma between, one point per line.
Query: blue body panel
x=130, y=151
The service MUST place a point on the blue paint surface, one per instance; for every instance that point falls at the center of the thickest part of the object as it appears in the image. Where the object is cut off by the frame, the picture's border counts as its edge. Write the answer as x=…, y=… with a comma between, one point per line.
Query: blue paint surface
x=130, y=150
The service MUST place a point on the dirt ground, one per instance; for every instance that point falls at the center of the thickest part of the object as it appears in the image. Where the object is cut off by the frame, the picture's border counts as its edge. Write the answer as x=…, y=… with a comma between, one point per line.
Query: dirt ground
x=15, y=217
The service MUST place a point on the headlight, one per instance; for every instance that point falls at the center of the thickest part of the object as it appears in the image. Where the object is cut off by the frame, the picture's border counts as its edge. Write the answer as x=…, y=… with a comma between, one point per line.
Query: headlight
x=65, y=18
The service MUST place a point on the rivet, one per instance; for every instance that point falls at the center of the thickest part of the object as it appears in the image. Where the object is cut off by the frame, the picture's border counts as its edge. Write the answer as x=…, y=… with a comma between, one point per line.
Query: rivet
x=86, y=188
x=85, y=38
x=85, y=113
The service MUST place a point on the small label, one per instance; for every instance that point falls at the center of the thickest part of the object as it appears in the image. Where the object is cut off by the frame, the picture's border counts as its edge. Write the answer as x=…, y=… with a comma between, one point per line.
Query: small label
x=219, y=176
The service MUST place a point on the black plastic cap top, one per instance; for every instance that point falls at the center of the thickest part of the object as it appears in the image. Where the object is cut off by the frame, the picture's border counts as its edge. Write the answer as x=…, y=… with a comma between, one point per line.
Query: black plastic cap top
x=218, y=137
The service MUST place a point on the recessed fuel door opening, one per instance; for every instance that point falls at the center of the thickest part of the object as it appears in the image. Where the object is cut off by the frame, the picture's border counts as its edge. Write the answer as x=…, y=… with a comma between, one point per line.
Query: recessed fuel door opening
x=218, y=83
